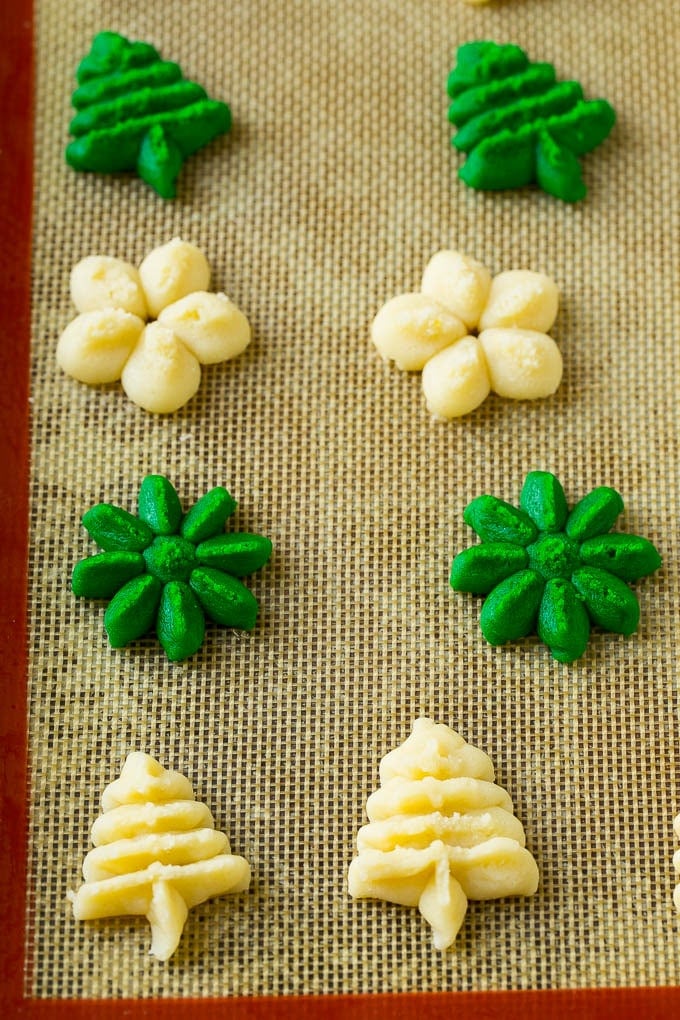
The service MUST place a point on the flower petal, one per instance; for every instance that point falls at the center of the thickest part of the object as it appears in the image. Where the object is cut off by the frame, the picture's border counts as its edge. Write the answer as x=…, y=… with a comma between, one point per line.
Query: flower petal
x=481, y=567
x=509, y=611
x=172, y=271
x=523, y=364
x=132, y=612
x=610, y=602
x=113, y=528
x=543, y=499
x=95, y=347
x=224, y=599
x=563, y=623
x=456, y=380
x=626, y=556
x=521, y=299
x=210, y=325
x=159, y=505
x=208, y=516
x=161, y=374
x=101, y=281
x=494, y=520
x=594, y=514
x=238, y=553
x=101, y=576
x=458, y=282
x=180, y=624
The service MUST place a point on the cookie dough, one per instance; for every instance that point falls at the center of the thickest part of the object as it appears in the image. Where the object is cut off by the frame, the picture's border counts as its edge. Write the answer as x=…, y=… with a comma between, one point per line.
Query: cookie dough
x=158, y=362
x=547, y=569
x=168, y=571
x=156, y=854
x=135, y=111
x=440, y=832
x=472, y=334
x=518, y=125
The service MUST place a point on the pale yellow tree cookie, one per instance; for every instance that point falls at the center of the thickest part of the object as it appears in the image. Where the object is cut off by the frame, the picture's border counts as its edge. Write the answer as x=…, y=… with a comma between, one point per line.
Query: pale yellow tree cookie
x=441, y=832
x=156, y=854
x=158, y=362
x=676, y=864
x=471, y=334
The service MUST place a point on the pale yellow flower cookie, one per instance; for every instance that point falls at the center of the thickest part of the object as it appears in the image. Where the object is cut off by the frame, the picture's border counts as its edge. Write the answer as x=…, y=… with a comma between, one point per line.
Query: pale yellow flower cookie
x=115, y=336
x=471, y=334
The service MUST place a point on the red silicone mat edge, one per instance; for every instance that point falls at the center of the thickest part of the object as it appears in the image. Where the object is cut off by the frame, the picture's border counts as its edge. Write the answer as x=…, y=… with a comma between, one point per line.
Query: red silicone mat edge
x=16, y=151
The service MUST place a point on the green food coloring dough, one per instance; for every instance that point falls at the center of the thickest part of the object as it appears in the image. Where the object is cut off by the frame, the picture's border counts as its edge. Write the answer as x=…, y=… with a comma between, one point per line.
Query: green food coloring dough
x=547, y=569
x=554, y=556
x=135, y=111
x=180, y=623
x=168, y=571
x=170, y=558
x=518, y=125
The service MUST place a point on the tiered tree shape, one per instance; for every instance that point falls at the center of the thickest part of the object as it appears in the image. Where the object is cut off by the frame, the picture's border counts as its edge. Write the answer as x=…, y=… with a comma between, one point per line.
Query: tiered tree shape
x=518, y=125
x=136, y=111
x=441, y=832
x=157, y=854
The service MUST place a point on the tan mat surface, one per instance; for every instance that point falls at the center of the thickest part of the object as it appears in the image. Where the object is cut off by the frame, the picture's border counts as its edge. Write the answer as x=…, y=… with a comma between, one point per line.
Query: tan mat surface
x=335, y=186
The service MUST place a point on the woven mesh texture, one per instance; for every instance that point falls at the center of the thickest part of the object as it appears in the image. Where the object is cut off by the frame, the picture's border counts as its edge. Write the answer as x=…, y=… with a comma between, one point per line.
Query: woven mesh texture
x=335, y=186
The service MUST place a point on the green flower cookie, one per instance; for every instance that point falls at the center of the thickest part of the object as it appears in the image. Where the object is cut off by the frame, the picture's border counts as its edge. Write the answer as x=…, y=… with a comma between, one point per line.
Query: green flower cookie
x=546, y=569
x=167, y=570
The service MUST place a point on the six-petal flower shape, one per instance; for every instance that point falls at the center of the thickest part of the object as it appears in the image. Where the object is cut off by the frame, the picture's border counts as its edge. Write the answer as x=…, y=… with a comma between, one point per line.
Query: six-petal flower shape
x=158, y=362
x=547, y=569
x=168, y=570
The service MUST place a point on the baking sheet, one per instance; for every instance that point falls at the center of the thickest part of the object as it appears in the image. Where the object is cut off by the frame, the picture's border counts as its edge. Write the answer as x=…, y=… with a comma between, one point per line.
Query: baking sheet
x=333, y=189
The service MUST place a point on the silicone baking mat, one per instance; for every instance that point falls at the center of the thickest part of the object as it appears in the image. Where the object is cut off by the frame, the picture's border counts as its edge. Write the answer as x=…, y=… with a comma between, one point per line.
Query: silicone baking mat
x=329, y=195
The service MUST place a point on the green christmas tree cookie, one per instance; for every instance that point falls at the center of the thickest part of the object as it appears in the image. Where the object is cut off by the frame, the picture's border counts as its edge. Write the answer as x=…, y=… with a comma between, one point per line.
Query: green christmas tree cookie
x=518, y=124
x=547, y=569
x=168, y=570
x=136, y=111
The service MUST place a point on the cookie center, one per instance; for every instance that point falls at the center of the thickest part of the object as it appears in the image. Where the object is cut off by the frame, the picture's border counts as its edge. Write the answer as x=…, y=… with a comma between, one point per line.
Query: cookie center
x=554, y=556
x=170, y=558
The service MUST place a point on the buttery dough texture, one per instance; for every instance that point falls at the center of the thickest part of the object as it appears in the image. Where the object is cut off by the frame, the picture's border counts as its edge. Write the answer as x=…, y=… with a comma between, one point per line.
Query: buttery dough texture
x=433, y=331
x=411, y=328
x=441, y=832
x=676, y=864
x=158, y=362
x=156, y=854
x=171, y=272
